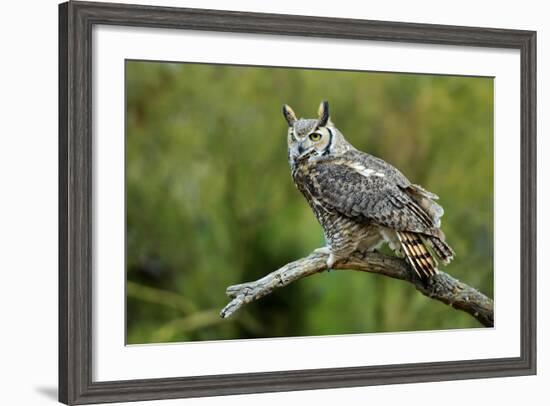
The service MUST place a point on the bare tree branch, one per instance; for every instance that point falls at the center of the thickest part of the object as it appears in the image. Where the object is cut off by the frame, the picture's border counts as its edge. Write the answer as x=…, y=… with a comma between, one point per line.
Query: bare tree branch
x=442, y=286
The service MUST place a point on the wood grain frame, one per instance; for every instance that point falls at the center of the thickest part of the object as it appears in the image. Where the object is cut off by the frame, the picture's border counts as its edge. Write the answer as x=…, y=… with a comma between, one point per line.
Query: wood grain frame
x=76, y=20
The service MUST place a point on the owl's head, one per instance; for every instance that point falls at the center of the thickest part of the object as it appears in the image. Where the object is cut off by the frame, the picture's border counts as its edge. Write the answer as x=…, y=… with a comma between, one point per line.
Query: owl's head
x=313, y=138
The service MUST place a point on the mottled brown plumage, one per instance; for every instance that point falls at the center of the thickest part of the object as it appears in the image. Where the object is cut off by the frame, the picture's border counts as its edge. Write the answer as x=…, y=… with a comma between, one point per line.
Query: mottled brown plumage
x=361, y=200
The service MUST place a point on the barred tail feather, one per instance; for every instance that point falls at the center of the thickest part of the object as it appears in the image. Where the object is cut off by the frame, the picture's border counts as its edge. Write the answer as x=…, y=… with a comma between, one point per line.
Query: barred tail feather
x=418, y=256
x=442, y=249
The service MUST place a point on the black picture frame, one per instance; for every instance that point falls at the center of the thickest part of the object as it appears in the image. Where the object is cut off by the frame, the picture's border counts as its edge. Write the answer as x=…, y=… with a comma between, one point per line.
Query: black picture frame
x=76, y=20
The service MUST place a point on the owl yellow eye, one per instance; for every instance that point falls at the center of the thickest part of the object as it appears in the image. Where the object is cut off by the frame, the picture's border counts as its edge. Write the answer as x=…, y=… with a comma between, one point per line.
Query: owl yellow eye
x=314, y=137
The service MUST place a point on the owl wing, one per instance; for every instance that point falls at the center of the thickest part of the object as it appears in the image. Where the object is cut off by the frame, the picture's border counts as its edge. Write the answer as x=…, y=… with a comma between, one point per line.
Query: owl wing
x=379, y=165
x=421, y=197
x=368, y=196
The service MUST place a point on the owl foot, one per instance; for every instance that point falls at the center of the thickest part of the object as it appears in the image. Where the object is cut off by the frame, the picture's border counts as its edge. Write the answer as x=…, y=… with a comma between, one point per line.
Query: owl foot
x=330, y=261
x=322, y=250
x=331, y=257
x=336, y=258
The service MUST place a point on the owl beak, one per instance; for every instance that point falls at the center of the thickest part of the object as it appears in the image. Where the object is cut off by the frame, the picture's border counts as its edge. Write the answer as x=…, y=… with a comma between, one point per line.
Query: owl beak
x=301, y=149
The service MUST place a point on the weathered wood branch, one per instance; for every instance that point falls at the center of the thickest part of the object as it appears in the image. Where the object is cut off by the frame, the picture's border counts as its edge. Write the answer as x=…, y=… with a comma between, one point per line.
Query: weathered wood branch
x=442, y=286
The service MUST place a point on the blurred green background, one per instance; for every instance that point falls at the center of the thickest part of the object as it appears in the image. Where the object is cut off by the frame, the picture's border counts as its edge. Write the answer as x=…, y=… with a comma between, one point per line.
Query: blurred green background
x=211, y=203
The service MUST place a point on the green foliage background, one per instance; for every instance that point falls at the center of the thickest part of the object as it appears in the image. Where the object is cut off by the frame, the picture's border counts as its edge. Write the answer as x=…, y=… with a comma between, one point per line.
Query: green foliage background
x=210, y=200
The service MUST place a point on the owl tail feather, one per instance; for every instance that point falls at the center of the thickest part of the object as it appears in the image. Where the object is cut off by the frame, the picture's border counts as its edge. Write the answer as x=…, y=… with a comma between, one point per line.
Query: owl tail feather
x=418, y=256
x=442, y=249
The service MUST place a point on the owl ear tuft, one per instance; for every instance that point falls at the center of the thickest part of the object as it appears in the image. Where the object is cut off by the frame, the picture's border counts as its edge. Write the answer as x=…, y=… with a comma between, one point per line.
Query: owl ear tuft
x=289, y=114
x=323, y=114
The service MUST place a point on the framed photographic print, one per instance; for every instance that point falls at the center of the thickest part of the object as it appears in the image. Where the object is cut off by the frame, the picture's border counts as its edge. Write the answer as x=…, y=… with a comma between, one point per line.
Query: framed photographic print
x=260, y=202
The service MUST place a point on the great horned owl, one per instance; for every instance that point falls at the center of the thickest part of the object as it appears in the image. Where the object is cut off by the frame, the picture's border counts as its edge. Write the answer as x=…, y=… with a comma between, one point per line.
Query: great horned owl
x=361, y=200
